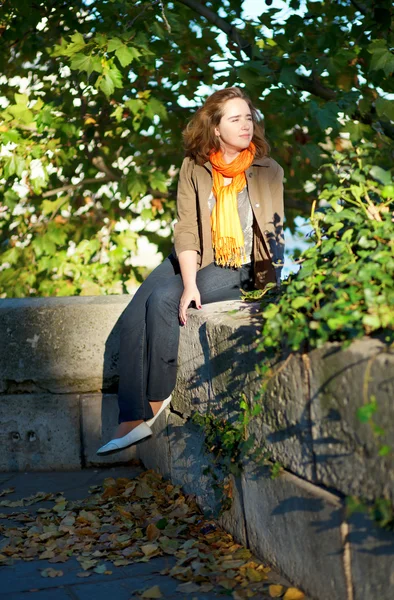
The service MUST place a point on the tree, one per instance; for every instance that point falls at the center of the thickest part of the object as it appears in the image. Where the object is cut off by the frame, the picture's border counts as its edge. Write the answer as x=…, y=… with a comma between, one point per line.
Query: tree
x=92, y=118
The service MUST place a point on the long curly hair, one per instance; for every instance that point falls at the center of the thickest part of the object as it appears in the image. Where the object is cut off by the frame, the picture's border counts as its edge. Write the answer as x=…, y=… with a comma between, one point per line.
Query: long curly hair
x=199, y=134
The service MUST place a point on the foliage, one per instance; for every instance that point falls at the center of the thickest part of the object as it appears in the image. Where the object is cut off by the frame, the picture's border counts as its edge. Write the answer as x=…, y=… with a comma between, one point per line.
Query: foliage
x=345, y=286
x=93, y=106
x=230, y=444
x=381, y=510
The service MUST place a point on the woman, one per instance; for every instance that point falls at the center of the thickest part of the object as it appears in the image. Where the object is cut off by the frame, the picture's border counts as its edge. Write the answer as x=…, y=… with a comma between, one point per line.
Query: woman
x=229, y=236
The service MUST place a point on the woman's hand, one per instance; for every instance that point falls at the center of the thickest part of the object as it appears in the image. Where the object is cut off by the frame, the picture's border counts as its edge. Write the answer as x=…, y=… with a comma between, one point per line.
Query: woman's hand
x=190, y=294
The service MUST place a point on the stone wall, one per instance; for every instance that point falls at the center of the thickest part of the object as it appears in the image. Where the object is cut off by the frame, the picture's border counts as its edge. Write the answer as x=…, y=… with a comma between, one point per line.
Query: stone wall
x=58, y=404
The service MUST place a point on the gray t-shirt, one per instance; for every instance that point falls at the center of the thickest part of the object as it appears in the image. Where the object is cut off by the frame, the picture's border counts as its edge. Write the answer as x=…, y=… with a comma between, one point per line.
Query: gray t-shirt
x=246, y=218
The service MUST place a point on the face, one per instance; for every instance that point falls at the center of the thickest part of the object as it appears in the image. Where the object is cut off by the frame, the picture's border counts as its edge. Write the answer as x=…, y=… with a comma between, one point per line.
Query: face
x=236, y=126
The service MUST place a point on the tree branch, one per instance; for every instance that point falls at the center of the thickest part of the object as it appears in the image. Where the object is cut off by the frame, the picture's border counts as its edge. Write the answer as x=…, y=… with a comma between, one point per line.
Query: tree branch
x=74, y=186
x=232, y=32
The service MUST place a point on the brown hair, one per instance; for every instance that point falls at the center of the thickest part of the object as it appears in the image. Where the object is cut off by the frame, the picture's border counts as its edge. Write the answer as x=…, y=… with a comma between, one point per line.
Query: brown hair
x=199, y=136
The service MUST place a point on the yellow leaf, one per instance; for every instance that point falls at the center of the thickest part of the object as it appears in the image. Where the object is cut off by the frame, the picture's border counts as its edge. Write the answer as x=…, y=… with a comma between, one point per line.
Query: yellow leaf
x=293, y=594
x=255, y=576
x=149, y=549
x=276, y=591
x=153, y=592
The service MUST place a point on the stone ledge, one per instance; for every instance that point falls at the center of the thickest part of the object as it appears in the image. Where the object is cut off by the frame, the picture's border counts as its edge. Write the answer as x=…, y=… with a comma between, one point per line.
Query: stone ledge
x=69, y=346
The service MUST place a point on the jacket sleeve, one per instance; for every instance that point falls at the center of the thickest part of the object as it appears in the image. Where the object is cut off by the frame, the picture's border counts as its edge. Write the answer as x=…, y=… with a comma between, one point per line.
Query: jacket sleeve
x=276, y=187
x=186, y=230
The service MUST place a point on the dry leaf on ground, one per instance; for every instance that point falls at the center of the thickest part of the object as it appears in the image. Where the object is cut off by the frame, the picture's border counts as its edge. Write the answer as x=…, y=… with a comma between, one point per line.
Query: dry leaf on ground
x=293, y=594
x=153, y=592
x=125, y=521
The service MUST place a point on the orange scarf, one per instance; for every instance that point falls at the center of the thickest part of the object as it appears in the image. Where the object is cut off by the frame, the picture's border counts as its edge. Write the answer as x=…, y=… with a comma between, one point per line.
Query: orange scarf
x=227, y=235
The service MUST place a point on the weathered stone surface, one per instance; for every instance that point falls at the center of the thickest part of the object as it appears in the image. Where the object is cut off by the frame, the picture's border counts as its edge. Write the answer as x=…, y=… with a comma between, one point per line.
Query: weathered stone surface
x=188, y=461
x=39, y=432
x=154, y=452
x=284, y=426
x=99, y=421
x=296, y=527
x=59, y=344
x=217, y=359
x=346, y=450
x=372, y=559
x=233, y=520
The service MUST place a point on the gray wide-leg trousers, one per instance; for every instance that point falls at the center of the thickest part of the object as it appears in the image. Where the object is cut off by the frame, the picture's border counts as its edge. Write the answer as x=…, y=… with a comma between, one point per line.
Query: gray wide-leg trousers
x=150, y=331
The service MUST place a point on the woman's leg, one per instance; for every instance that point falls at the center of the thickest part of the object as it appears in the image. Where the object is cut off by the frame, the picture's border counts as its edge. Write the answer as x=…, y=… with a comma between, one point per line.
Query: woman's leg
x=150, y=335
x=133, y=368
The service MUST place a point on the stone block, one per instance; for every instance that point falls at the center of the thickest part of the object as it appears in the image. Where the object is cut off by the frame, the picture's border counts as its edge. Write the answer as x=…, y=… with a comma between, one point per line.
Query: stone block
x=217, y=359
x=60, y=345
x=283, y=426
x=191, y=466
x=233, y=520
x=154, y=452
x=372, y=559
x=99, y=421
x=296, y=527
x=40, y=432
x=346, y=450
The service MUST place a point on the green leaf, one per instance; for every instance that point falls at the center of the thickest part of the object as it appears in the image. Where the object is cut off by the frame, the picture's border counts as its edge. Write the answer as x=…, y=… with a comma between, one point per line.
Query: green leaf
x=43, y=245
x=382, y=58
x=48, y=207
x=385, y=108
x=77, y=44
x=80, y=62
x=158, y=181
x=381, y=175
x=126, y=55
x=136, y=187
x=288, y=76
x=366, y=412
x=326, y=116
x=270, y=311
x=106, y=85
x=299, y=302
x=372, y=321
x=21, y=99
x=384, y=450
x=135, y=106
x=116, y=76
x=114, y=44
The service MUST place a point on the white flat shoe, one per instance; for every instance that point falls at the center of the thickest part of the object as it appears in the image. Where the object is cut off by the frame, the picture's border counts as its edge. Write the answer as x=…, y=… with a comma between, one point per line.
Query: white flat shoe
x=166, y=402
x=135, y=435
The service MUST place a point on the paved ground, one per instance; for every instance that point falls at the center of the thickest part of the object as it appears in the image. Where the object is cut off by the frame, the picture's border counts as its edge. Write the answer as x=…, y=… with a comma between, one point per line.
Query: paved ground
x=23, y=580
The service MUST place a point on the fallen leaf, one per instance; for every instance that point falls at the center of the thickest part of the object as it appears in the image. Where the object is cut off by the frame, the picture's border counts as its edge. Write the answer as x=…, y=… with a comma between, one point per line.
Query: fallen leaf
x=49, y=572
x=293, y=594
x=100, y=569
x=152, y=532
x=149, y=549
x=153, y=592
x=7, y=491
x=231, y=564
x=276, y=591
x=84, y=574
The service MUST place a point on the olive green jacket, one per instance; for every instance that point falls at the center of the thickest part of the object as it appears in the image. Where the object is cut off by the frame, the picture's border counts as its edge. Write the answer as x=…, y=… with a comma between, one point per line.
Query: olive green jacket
x=193, y=229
